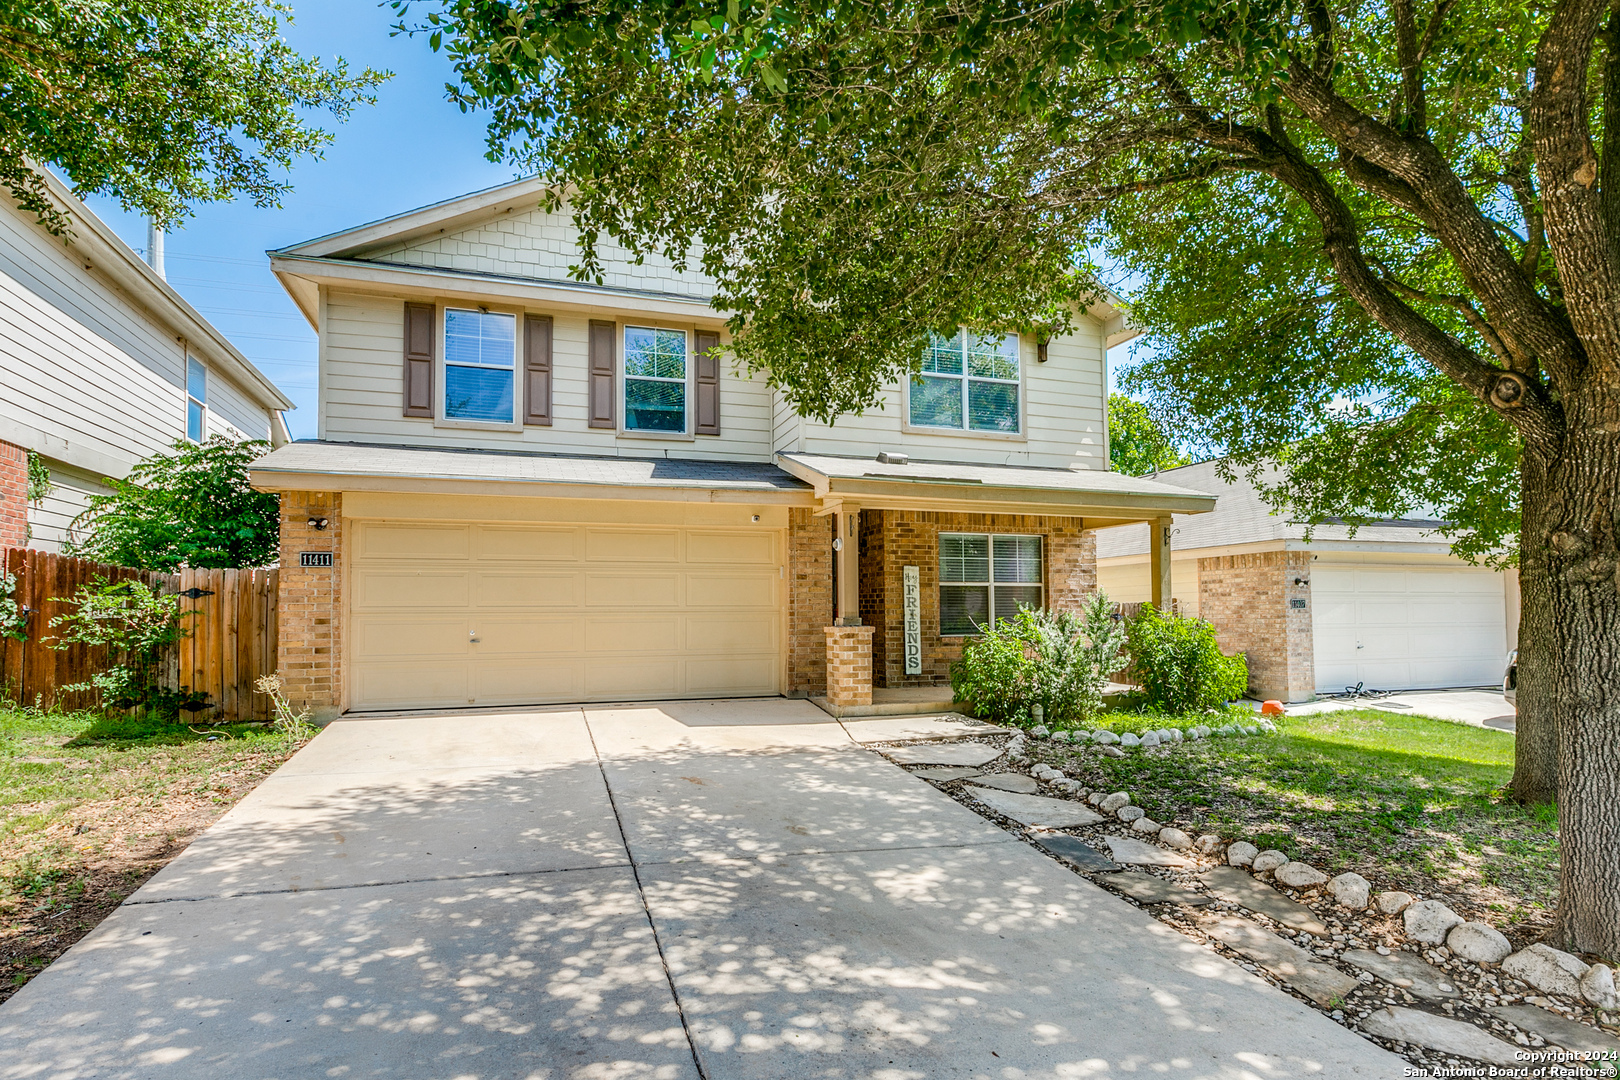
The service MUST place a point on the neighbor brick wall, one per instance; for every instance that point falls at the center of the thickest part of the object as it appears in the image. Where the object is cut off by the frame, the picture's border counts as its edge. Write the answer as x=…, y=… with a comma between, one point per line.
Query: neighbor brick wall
x=13, y=496
x=810, y=600
x=1248, y=599
x=310, y=651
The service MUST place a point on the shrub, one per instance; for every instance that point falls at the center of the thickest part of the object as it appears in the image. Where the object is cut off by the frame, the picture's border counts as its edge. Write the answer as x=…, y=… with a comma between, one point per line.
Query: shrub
x=1180, y=666
x=1054, y=659
x=137, y=625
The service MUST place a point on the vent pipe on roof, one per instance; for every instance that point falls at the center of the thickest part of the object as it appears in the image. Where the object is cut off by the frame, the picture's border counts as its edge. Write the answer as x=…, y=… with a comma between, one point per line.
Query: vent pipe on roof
x=154, y=248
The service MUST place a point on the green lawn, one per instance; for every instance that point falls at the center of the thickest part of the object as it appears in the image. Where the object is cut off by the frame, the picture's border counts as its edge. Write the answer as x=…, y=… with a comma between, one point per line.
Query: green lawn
x=1406, y=801
x=91, y=807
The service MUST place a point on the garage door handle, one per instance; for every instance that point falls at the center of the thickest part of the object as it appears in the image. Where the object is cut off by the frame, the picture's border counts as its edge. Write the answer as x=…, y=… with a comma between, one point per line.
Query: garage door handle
x=472, y=636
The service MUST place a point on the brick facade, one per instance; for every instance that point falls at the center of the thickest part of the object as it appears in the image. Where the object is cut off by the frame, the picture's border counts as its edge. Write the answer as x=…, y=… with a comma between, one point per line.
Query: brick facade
x=810, y=601
x=13, y=496
x=849, y=666
x=310, y=654
x=1250, y=599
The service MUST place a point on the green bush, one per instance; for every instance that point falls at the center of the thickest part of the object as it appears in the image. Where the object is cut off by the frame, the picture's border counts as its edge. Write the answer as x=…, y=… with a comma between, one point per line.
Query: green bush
x=1054, y=659
x=137, y=625
x=1180, y=666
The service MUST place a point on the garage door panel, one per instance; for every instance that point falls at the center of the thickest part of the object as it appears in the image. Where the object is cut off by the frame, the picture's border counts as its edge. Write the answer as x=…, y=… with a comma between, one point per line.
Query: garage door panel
x=403, y=589
x=495, y=589
x=736, y=675
x=545, y=680
x=633, y=545
x=428, y=637
x=563, y=543
x=624, y=590
x=408, y=685
x=527, y=637
x=738, y=590
x=646, y=635
x=731, y=548
x=623, y=680
x=379, y=540
x=746, y=634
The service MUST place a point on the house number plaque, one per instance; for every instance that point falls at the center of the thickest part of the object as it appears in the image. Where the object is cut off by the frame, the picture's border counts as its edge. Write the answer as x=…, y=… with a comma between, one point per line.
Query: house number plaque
x=911, y=587
x=314, y=558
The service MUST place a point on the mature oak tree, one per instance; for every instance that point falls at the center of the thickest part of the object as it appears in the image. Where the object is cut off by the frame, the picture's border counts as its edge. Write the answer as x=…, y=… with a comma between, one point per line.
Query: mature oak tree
x=1382, y=238
x=159, y=103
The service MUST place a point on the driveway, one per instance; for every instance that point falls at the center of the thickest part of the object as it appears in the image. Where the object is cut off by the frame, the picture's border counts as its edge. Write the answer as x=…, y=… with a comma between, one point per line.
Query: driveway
x=720, y=890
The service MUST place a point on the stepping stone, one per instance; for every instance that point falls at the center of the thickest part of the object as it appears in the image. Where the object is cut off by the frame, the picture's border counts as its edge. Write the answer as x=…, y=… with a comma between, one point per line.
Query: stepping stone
x=1237, y=885
x=971, y=754
x=1417, y=977
x=1438, y=1033
x=1290, y=963
x=1561, y=1031
x=1140, y=853
x=1036, y=811
x=1075, y=851
x=1152, y=889
x=1024, y=785
x=940, y=774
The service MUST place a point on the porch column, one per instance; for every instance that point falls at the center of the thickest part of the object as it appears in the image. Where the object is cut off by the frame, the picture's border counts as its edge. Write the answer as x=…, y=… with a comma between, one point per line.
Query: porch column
x=1159, y=561
x=847, y=559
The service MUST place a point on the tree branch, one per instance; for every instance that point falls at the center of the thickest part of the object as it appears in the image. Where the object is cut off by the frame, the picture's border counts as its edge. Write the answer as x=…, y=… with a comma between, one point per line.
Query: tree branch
x=1415, y=118
x=1462, y=305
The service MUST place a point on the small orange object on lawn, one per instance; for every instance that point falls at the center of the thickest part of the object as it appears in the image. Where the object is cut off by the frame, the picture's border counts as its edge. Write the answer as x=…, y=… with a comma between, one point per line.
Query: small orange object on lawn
x=1271, y=708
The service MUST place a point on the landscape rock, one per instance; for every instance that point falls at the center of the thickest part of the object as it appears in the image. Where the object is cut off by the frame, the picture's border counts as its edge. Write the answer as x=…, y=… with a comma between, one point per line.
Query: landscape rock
x=972, y=754
x=1135, y=852
x=1394, y=902
x=1198, y=731
x=1597, y=986
x=1418, y=977
x=1300, y=875
x=1562, y=1032
x=1241, y=853
x=1128, y=814
x=1479, y=942
x=1039, y=731
x=1111, y=751
x=1176, y=735
x=1550, y=970
x=1429, y=921
x=1268, y=860
x=1095, y=798
x=1008, y=782
x=1208, y=844
x=1151, y=738
x=1146, y=825
x=1104, y=738
x=1240, y=887
x=1109, y=803
x=1152, y=889
x=1129, y=739
x=1351, y=891
x=1175, y=838
x=1438, y=1033
x=1295, y=966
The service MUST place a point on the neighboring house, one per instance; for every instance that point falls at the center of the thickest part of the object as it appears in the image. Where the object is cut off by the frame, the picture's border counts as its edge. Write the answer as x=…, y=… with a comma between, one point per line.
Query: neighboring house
x=527, y=489
x=103, y=364
x=1390, y=608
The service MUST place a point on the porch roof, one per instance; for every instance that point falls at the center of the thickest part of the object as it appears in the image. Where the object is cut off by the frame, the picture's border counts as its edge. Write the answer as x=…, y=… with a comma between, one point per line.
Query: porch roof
x=1103, y=498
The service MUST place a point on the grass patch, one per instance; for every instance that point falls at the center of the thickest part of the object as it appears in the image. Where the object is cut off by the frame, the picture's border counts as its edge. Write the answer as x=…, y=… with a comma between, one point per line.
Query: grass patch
x=92, y=806
x=1406, y=801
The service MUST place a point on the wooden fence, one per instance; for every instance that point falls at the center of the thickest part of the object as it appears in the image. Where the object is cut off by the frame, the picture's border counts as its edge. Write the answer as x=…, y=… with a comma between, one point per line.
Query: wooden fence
x=231, y=615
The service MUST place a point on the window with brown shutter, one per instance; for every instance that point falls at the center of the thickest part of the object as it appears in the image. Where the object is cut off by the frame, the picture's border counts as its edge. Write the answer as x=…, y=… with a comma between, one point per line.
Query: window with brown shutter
x=708, y=382
x=602, y=335
x=419, y=335
x=537, y=370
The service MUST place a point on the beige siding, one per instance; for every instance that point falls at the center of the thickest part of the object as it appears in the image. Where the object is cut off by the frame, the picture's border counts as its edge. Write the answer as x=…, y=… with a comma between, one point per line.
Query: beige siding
x=50, y=519
x=1130, y=583
x=362, y=394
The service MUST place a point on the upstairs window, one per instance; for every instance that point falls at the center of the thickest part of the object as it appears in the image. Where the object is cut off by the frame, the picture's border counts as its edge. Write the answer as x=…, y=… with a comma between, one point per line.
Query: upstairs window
x=655, y=367
x=196, y=399
x=984, y=578
x=480, y=362
x=968, y=383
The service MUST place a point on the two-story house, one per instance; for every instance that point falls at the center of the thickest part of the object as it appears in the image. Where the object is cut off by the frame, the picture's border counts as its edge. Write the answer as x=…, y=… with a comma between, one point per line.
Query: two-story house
x=527, y=489
x=102, y=364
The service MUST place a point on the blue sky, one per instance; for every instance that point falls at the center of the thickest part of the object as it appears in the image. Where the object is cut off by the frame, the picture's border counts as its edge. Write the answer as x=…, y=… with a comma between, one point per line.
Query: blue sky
x=410, y=149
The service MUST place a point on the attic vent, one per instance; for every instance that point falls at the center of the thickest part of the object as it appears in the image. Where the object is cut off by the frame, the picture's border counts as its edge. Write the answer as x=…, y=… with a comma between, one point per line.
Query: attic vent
x=890, y=458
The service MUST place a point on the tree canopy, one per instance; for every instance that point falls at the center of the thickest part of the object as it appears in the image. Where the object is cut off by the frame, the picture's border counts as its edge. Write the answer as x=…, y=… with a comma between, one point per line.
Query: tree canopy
x=1137, y=445
x=160, y=103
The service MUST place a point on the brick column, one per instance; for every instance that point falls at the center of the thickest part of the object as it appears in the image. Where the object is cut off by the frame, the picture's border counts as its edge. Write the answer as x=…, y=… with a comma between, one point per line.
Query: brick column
x=13, y=496
x=309, y=653
x=849, y=666
x=1251, y=599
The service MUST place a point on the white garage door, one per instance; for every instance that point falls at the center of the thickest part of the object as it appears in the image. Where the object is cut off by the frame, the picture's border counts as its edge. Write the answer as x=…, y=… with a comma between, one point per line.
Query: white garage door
x=446, y=615
x=1407, y=629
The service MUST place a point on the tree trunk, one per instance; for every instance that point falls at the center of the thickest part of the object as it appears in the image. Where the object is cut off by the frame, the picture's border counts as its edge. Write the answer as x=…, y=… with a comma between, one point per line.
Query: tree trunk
x=1569, y=660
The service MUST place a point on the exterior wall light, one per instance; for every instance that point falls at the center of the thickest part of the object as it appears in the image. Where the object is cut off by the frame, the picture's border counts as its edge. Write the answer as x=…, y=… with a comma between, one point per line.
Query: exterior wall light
x=317, y=523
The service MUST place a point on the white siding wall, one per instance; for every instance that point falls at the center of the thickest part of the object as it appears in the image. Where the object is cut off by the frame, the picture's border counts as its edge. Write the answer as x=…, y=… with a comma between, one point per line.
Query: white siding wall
x=362, y=393
x=49, y=519
x=1132, y=583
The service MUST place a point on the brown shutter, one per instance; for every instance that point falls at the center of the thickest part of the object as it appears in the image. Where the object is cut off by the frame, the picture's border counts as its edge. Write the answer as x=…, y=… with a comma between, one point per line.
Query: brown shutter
x=419, y=360
x=537, y=369
x=603, y=336
x=708, y=382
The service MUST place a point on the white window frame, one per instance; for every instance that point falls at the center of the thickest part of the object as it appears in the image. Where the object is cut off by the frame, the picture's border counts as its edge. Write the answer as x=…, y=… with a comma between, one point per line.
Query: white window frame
x=908, y=425
x=990, y=549
x=201, y=403
x=443, y=364
x=686, y=382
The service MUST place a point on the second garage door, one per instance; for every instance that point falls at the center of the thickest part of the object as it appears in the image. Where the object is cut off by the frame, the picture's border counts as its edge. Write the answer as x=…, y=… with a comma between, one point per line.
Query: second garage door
x=1405, y=629
x=491, y=614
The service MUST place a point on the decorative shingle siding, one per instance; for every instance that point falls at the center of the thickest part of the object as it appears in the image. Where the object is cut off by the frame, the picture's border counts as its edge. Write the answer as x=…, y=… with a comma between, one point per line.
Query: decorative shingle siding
x=1249, y=600
x=310, y=655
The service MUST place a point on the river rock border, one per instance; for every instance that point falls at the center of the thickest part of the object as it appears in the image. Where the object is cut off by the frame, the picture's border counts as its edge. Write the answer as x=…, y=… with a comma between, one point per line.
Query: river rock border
x=1407, y=972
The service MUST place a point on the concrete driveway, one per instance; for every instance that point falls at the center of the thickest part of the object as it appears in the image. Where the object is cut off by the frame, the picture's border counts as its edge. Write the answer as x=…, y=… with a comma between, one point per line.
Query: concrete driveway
x=718, y=890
